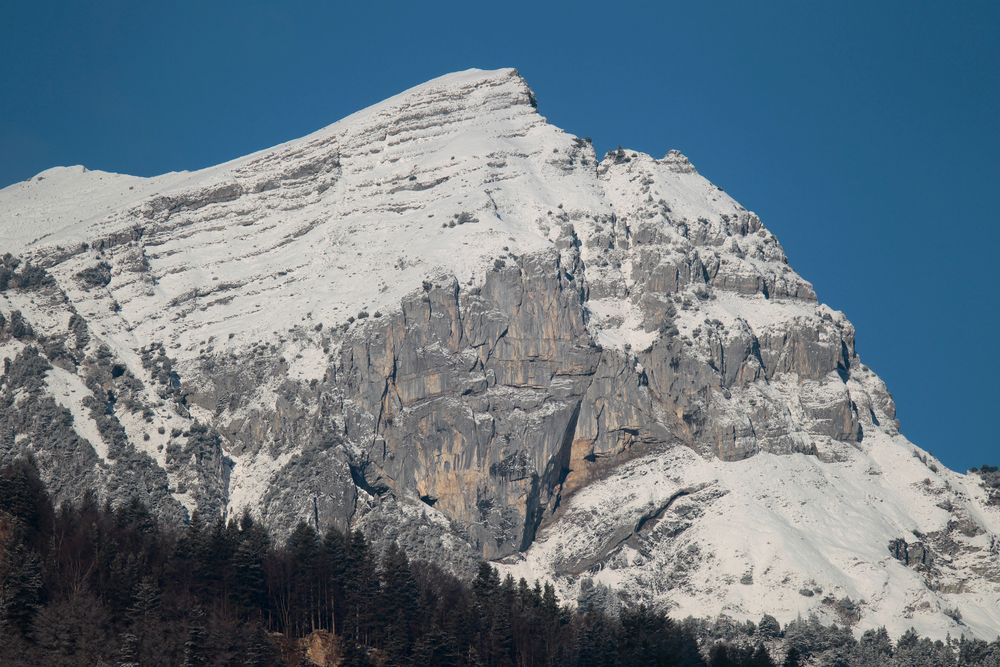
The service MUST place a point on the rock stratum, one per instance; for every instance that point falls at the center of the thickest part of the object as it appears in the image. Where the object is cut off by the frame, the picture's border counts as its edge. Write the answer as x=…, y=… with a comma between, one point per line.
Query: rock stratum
x=447, y=323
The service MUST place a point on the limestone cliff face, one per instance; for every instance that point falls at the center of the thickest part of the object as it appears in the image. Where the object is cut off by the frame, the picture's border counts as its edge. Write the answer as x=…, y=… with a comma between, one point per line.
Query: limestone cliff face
x=448, y=323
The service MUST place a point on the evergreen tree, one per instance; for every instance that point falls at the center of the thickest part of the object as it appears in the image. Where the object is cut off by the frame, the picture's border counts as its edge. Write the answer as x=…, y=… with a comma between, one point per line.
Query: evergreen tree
x=759, y=658
x=75, y=630
x=334, y=568
x=595, y=641
x=145, y=603
x=485, y=587
x=792, y=658
x=437, y=648
x=973, y=651
x=128, y=655
x=399, y=603
x=23, y=497
x=249, y=585
x=768, y=627
x=261, y=652
x=500, y=638
x=361, y=589
x=354, y=655
x=20, y=588
x=724, y=655
x=195, y=649
x=386, y=610
x=875, y=647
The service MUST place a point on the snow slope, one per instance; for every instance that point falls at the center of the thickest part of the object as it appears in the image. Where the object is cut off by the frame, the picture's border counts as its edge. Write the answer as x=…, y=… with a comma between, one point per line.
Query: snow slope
x=380, y=316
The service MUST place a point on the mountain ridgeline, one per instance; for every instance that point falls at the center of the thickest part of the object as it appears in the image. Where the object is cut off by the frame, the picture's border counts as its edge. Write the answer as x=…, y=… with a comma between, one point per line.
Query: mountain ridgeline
x=449, y=325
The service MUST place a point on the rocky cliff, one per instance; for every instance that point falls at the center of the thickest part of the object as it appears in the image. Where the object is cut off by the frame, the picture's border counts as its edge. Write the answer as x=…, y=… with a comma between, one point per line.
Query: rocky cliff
x=446, y=322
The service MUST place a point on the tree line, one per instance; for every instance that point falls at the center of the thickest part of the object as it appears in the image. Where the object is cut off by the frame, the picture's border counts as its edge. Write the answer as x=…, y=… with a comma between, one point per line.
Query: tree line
x=88, y=583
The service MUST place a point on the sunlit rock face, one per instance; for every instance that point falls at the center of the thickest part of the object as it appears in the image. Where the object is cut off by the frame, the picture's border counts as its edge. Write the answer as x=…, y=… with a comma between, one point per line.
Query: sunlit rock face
x=446, y=322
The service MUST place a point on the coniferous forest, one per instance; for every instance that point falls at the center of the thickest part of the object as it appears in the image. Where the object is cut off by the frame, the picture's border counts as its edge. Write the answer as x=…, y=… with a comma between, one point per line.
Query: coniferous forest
x=92, y=584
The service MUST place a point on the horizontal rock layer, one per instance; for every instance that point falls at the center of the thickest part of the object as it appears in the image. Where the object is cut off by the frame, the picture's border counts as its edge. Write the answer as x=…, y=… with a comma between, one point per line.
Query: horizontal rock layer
x=446, y=322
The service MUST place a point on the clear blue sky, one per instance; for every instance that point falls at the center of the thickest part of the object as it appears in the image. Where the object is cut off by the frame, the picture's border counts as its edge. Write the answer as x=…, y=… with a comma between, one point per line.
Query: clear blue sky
x=865, y=134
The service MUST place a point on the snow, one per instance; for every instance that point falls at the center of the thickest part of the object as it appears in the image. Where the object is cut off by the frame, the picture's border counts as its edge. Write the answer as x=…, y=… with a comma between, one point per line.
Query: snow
x=399, y=175
x=285, y=244
x=9, y=350
x=69, y=390
x=792, y=521
x=60, y=205
x=756, y=310
x=250, y=478
x=618, y=323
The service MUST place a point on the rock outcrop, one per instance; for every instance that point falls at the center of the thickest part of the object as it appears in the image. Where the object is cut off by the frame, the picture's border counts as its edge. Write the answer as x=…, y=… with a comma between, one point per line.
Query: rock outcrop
x=446, y=322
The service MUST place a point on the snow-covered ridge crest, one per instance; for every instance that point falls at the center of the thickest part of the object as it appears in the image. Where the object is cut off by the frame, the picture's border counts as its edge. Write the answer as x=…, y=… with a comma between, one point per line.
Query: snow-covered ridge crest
x=435, y=180
x=447, y=322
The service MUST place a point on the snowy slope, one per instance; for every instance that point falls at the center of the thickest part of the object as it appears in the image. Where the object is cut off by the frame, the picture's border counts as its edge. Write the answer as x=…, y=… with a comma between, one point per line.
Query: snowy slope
x=446, y=321
x=748, y=537
x=365, y=202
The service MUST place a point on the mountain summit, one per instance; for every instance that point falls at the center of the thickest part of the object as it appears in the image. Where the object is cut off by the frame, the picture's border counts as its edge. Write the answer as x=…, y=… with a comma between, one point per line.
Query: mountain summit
x=447, y=323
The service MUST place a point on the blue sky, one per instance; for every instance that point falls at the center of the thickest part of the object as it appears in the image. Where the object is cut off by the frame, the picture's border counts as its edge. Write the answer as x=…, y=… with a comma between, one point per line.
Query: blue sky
x=865, y=134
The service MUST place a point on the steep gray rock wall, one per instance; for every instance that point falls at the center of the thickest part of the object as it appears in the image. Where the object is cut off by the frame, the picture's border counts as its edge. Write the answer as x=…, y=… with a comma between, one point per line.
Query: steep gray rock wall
x=441, y=321
x=486, y=399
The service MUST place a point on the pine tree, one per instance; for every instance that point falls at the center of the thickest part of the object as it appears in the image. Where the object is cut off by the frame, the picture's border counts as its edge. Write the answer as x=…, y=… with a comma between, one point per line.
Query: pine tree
x=145, y=603
x=249, y=585
x=523, y=593
x=437, y=648
x=792, y=658
x=399, y=602
x=500, y=639
x=74, y=630
x=20, y=588
x=769, y=627
x=354, y=655
x=304, y=552
x=722, y=655
x=361, y=589
x=484, y=589
x=760, y=658
x=24, y=498
x=875, y=647
x=550, y=603
x=260, y=651
x=249, y=581
x=595, y=641
x=213, y=552
x=128, y=655
x=334, y=568
x=195, y=647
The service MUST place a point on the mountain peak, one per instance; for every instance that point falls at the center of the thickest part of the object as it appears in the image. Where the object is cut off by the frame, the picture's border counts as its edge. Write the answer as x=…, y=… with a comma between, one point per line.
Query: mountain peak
x=442, y=320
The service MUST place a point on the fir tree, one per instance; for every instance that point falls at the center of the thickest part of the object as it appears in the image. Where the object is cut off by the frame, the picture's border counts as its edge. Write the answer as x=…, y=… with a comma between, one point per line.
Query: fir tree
x=769, y=627
x=249, y=585
x=334, y=576
x=20, y=588
x=399, y=602
x=24, y=498
x=792, y=658
x=875, y=647
x=595, y=641
x=361, y=589
x=759, y=658
x=260, y=651
x=437, y=648
x=195, y=647
x=128, y=655
x=145, y=603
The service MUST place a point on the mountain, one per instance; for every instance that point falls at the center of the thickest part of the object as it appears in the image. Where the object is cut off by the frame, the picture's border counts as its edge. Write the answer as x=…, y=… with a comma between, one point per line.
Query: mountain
x=446, y=322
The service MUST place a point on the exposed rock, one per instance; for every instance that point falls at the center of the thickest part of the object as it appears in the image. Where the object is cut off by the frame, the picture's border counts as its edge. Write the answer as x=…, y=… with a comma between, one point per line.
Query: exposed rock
x=447, y=323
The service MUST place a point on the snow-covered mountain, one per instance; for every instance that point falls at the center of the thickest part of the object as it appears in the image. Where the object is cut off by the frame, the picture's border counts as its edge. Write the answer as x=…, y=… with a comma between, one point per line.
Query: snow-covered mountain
x=446, y=322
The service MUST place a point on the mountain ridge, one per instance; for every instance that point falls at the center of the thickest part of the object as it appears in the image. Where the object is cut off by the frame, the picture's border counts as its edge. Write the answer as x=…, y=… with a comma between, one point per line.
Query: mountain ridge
x=447, y=322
